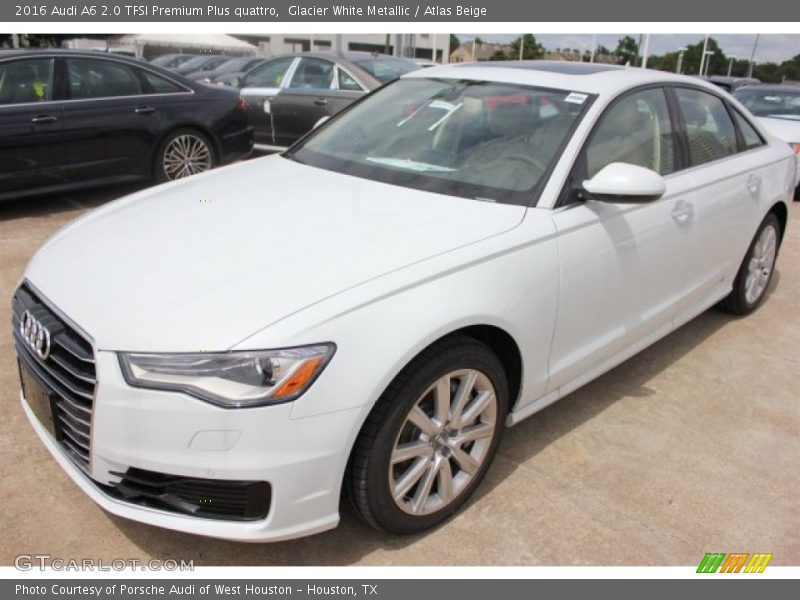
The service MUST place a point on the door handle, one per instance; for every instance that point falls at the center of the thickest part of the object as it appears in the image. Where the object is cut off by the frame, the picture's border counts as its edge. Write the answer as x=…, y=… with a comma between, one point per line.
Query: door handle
x=321, y=102
x=682, y=211
x=44, y=119
x=144, y=110
x=754, y=184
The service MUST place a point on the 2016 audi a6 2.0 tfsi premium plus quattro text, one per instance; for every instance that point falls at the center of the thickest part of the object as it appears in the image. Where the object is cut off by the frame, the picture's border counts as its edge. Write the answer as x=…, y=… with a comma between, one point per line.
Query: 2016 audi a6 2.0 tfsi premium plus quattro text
x=227, y=354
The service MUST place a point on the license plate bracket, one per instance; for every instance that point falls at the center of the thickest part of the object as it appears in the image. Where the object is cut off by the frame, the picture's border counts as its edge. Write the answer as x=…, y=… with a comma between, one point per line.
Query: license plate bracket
x=38, y=398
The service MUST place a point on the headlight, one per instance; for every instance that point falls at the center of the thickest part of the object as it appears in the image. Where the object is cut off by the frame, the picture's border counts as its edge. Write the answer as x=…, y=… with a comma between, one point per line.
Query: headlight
x=230, y=379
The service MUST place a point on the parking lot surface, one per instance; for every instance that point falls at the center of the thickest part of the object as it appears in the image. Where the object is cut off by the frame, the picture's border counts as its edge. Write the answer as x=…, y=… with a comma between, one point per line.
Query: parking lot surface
x=690, y=447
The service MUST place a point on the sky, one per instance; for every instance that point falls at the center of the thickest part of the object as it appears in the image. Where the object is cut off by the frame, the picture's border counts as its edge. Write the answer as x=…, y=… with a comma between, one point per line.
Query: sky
x=771, y=47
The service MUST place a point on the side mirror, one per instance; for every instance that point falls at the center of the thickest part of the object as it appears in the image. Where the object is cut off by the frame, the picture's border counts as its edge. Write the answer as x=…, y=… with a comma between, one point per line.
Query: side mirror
x=625, y=183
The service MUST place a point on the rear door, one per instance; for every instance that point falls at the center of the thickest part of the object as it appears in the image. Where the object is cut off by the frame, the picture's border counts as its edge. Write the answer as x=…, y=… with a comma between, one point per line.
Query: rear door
x=622, y=265
x=110, y=123
x=31, y=152
x=259, y=90
x=729, y=177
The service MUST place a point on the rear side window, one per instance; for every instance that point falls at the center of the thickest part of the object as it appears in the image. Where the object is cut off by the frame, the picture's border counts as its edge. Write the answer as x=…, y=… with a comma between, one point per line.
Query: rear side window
x=89, y=78
x=709, y=128
x=346, y=82
x=750, y=137
x=637, y=130
x=270, y=74
x=26, y=81
x=159, y=85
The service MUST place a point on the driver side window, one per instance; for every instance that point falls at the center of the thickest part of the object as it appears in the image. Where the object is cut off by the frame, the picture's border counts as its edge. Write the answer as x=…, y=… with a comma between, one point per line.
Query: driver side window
x=637, y=130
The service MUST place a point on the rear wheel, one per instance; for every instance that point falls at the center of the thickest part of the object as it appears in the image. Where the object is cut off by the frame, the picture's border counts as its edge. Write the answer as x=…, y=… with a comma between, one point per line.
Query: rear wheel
x=755, y=273
x=184, y=152
x=430, y=438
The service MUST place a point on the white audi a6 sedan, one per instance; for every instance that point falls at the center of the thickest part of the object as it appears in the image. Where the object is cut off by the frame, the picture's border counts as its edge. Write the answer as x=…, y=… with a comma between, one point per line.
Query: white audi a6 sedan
x=228, y=353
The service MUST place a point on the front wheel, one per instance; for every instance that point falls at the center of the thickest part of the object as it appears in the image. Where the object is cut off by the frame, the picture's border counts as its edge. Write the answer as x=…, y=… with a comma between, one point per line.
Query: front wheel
x=430, y=438
x=755, y=273
x=184, y=152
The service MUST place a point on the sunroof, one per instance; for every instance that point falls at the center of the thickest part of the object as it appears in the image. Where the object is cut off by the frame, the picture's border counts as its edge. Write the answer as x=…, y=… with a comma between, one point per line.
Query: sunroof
x=553, y=66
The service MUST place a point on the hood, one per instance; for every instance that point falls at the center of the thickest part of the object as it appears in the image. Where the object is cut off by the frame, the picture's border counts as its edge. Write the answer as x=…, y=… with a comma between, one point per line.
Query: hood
x=203, y=263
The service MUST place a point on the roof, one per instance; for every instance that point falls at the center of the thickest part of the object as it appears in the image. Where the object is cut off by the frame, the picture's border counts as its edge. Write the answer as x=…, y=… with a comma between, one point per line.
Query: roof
x=592, y=78
x=552, y=66
x=215, y=41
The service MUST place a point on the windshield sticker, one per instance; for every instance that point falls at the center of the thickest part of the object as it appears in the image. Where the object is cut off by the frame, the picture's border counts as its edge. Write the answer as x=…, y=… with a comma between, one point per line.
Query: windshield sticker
x=576, y=98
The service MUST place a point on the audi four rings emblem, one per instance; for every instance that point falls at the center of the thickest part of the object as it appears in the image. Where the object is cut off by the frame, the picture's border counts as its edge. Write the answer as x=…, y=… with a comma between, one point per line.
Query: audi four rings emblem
x=35, y=334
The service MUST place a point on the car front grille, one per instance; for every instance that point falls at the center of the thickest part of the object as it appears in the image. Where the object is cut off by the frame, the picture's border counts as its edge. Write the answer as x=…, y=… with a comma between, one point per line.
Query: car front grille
x=208, y=498
x=68, y=373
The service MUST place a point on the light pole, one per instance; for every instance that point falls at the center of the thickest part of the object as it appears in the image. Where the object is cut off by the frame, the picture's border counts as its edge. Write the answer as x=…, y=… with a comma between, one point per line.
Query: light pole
x=709, y=54
x=703, y=56
x=594, y=46
x=645, y=50
x=752, y=57
x=680, y=59
x=521, y=44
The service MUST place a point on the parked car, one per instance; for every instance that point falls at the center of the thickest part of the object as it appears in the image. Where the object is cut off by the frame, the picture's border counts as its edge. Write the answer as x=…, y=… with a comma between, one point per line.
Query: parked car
x=171, y=61
x=731, y=84
x=204, y=62
x=365, y=313
x=777, y=108
x=287, y=96
x=241, y=64
x=71, y=119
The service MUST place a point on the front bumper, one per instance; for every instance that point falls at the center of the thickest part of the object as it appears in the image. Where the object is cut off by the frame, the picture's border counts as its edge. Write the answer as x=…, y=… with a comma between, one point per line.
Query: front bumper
x=303, y=460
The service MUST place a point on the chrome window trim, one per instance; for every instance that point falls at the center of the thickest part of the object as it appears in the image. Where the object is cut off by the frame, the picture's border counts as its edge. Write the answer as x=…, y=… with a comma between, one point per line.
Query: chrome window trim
x=187, y=91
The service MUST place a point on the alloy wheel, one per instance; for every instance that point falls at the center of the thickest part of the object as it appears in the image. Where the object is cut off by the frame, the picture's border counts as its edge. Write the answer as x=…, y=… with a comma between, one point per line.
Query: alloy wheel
x=443, y=442
x=762, y=261
x=186, y=155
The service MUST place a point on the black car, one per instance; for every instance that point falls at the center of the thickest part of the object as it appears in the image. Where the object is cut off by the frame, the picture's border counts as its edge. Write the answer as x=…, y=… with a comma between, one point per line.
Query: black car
x=72, y=119
x=232, y=65
x=288, y=95
x=171, y=61
x=203, y=62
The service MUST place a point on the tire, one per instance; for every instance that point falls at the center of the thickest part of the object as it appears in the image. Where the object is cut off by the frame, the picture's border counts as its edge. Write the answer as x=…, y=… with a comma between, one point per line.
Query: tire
x=182, y=153
x=444, y=460
x=758, y=263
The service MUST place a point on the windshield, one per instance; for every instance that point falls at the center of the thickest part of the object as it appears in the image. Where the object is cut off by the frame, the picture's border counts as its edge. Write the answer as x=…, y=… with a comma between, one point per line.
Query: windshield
x=385, y=69
x=780, y=104
x=478, y=140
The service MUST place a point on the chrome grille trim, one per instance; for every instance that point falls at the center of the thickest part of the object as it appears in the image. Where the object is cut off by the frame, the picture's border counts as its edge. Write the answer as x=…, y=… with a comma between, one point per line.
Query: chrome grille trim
x=68, y=372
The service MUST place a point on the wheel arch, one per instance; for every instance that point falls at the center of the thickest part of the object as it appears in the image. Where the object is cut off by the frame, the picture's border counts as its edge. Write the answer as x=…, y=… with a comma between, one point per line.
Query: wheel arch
x=782, y=213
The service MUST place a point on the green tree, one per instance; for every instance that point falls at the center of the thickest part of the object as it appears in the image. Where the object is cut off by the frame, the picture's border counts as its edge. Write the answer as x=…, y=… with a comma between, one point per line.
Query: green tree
x=531, y=49
x=478, y=40
x=627, y=50
x=498, y=55
x=454, y=42
x=602, y=50
x=790, y=69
